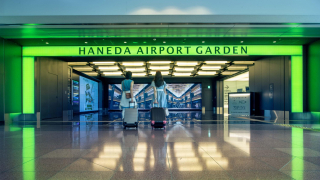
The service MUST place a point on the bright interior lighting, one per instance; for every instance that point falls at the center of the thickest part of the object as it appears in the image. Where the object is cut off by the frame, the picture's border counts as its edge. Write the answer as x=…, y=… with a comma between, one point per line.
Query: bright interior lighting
x=229, y=72
x=77, y=63
x=159, y=67
x=216, y=62
x=159, y=62
x=110, y=62
x=243, y=62
x=135, y=69
x=210, y=67
x=133, y=63
x=138, y=74
x=108, y=67
x=237, y=67
x=183, y=69
x=241, y=77
x=207, y=72
x=83, y=68
x=242, y=94
x=187, y=63
x=91, y=73
x=162, y=72
x=182, y=74
x=113, y=73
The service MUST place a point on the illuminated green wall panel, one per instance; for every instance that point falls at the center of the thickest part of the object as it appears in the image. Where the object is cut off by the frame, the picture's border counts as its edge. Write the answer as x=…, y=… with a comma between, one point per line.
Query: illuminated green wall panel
x=13, y=78
x=28, y=85
x=160, y=50
x=296, y=84
x=313, y=77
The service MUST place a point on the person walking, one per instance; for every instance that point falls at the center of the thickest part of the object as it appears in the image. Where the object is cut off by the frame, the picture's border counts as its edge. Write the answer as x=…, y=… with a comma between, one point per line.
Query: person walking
x=159, y=89
x=127, y=93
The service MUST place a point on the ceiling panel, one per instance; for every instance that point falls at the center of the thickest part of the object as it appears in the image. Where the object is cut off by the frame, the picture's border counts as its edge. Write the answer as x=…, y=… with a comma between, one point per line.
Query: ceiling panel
x=165, y=31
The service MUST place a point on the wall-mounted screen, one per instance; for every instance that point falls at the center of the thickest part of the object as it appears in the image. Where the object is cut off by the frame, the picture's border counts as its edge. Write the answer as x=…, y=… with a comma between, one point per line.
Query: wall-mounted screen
x=179, y=96
x=88, y=95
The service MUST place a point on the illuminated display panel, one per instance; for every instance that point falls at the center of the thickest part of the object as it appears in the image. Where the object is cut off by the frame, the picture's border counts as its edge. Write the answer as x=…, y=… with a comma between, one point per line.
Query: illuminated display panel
x=179, y=96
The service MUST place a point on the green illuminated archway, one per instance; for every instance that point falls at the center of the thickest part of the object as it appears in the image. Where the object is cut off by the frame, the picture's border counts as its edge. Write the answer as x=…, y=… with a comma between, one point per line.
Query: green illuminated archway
x=295, y=51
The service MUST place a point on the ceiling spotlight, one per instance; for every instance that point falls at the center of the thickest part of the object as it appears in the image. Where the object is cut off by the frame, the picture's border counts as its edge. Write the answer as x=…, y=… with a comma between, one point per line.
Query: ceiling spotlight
x=86, y=42
x=203, y=41
x=216, y=62
x=241, y=41
x=47, y=42
x=154, y=39
x=274, y=41
x=164, y=42
x=125, y=42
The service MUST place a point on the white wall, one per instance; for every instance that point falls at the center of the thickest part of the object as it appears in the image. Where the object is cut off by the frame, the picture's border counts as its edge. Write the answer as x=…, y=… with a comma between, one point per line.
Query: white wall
x=163, y=7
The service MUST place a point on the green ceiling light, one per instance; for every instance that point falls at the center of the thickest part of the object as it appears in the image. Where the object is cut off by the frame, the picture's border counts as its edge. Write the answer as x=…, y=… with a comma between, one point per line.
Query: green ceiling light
x=296, y=84
x=28, y=85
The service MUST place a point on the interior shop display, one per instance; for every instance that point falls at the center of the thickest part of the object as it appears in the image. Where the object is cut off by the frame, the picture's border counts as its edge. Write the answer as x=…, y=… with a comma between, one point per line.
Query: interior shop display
x=179, y=96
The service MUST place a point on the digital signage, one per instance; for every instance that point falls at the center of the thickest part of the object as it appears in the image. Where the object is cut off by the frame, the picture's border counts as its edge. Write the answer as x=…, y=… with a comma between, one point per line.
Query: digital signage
x=179, y=96
x=88, y=95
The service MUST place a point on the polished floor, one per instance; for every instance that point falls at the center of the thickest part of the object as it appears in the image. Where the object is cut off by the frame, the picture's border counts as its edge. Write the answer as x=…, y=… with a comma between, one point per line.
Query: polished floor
x=189, y=148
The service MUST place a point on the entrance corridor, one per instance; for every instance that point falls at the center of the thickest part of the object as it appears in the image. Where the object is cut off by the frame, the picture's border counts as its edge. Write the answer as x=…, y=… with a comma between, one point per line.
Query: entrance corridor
x=189, y=148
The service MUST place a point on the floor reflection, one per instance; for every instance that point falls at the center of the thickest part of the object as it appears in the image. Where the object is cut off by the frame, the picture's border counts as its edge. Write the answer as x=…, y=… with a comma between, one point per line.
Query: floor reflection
x=188, y=148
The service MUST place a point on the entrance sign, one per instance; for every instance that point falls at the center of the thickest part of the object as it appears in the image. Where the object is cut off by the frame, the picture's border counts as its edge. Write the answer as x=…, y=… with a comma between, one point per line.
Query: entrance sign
x=215, y=50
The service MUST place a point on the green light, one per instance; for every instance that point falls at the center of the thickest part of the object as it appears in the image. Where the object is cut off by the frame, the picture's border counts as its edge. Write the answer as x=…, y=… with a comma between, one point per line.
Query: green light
x=200, y=50
x=296, y=84
x=28, y=152
x=297, y=151
x=28, y=85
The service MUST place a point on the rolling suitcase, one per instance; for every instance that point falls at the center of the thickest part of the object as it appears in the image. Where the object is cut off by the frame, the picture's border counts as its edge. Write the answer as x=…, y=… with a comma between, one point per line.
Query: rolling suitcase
x=130, y=117
x=158, y=118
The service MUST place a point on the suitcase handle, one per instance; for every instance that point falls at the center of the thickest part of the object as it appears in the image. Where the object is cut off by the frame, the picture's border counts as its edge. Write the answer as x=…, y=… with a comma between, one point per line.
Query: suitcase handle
x=134, y=104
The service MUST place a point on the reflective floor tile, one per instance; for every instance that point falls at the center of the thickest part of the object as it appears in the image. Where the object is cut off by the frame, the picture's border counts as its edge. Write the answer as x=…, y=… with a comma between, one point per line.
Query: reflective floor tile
x=66, y=153
x=235, y=152
x=242, y=164
x=309, y=175
x=267, y=152
x=82, y=175
x=27, y=175
x=144, y=164
x=194, y=164
x=276, y=162
x=303, y=152
x=205, y=175
x=149, y=175
x=300, y=165
x=109, y=163
x=314, y=160
x=85, y=165
x=45, y=164
x=261, y=175
x=9, y=163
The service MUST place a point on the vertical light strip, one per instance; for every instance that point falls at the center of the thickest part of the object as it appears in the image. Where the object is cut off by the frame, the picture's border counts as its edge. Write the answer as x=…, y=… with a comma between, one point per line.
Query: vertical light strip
x=28, y=85
x=297, y=169
x=28, y=152
x=296, y=84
